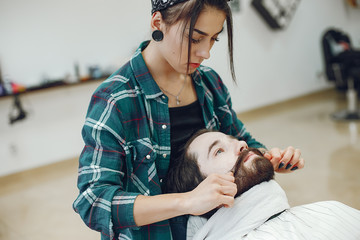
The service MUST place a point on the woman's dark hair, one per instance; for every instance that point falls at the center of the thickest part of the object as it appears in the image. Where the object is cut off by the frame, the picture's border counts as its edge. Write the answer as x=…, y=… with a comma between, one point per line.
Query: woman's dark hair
x=189, y=11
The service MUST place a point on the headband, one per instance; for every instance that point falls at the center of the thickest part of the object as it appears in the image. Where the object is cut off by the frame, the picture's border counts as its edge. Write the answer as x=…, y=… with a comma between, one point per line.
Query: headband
x=158, y=5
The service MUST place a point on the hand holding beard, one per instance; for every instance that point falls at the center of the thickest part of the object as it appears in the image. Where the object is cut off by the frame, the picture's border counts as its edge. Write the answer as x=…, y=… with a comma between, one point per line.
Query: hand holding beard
x=286, y=160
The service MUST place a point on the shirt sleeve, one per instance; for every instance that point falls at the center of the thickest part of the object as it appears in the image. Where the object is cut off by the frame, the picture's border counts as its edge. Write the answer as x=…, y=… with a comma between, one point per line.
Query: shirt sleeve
x=103, y=203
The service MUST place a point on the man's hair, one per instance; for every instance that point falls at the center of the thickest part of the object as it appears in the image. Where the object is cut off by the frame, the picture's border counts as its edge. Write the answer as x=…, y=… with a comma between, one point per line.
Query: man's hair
x=184, y=175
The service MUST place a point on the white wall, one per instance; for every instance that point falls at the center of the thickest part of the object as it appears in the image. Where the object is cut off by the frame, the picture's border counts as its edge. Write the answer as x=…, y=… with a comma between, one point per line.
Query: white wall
x=271, y=66
x=43, y=39
x=51, y=131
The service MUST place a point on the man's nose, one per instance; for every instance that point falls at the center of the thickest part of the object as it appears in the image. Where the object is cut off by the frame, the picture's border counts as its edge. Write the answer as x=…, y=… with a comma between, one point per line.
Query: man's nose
x=241, y=146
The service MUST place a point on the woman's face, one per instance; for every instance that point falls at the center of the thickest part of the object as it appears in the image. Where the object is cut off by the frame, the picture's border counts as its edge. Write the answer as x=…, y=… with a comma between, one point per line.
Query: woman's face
x=175, y=44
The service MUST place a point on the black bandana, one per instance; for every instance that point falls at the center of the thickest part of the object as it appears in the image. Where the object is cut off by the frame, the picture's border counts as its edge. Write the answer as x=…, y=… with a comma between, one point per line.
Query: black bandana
x=158, y=5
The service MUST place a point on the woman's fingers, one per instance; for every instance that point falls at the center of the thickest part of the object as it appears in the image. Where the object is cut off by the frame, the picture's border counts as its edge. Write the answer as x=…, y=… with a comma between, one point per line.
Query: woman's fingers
x=227, y=201
x=293, y=164
x=225, y=183
x=285, y=160
x=216, y=190
x=228, y=190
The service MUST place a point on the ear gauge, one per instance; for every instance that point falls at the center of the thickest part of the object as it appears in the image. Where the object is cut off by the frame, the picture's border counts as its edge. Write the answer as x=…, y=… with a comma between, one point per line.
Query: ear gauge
x=157, y=35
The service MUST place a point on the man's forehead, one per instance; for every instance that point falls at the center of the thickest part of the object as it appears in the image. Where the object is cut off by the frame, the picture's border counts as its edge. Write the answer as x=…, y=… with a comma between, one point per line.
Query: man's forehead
x=207, y=139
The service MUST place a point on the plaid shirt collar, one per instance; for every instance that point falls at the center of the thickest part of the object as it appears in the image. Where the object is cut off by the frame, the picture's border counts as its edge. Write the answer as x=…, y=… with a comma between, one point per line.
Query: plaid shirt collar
x=143, y=75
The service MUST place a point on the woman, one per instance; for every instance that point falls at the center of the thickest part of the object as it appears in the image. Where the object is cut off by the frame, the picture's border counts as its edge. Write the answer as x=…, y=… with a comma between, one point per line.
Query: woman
x=139, y=118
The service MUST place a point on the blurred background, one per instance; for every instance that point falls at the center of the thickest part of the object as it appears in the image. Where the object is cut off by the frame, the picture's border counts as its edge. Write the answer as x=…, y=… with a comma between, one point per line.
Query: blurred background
x=297, y=84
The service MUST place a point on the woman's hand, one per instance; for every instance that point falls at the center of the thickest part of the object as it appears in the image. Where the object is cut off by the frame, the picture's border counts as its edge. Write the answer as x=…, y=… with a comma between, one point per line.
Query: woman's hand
x=285, y=161
x=216, y=190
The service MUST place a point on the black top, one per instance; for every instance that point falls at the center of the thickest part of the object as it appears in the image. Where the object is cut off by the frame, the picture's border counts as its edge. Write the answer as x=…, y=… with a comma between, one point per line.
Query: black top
x=184, y=122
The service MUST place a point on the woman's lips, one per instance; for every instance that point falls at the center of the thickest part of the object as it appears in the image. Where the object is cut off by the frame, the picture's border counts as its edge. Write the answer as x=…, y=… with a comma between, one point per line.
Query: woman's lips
x=194, y=65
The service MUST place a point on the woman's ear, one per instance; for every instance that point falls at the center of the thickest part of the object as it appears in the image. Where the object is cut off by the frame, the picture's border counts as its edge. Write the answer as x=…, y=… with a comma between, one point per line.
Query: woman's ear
x=156, y=21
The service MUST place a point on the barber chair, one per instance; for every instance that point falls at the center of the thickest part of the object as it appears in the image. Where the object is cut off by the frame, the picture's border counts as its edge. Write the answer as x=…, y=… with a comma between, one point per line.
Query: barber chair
x=342, y=66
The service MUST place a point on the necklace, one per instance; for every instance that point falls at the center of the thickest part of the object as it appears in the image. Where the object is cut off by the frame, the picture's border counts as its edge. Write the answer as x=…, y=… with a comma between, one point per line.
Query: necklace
x=175, y=96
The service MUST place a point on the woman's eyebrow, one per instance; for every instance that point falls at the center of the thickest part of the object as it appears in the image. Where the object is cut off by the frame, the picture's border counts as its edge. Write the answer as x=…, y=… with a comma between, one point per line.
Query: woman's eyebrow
x=206, y=34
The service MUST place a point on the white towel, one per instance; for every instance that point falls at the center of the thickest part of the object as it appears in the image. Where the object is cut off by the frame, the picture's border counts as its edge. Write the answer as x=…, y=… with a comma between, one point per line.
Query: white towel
x=328, y=220
x=247, y=220
x=252, y=209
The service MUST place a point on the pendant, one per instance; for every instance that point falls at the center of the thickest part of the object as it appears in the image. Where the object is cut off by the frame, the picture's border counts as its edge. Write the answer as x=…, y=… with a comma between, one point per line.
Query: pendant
x=177, y=100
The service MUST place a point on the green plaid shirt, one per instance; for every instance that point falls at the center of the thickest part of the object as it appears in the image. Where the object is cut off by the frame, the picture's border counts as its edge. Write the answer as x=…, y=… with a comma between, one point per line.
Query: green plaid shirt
x=127, y=145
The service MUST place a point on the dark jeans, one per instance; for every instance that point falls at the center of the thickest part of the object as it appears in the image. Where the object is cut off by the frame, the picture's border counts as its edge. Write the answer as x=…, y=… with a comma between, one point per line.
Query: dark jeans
x=178, y=227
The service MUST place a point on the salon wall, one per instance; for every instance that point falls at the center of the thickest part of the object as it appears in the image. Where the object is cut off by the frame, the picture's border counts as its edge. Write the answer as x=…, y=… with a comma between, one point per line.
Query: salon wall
x=42, y=40
x=274, y=66
x=51, y=131
x=271, y=66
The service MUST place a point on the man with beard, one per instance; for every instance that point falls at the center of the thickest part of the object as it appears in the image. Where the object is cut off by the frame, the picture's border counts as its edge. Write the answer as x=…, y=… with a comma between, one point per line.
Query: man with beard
x=261, y=209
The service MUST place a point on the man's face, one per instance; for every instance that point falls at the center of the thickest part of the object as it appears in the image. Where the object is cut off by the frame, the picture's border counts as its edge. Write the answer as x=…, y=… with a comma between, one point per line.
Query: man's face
x=217, y=152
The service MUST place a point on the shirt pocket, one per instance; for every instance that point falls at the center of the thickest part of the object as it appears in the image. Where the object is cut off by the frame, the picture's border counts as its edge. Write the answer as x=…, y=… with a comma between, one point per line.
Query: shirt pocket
x=143, y=157
x=143, y=151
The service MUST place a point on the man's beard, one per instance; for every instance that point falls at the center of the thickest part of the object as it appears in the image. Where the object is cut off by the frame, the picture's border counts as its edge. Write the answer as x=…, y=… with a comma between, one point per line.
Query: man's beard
x=261, y=170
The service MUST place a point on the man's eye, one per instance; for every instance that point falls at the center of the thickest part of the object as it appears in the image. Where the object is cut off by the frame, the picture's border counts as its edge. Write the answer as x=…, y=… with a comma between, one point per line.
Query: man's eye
x=218, y=151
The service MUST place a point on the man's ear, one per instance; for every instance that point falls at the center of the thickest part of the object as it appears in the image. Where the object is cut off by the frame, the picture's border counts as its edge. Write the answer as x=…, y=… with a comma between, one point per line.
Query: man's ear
x=156, y=22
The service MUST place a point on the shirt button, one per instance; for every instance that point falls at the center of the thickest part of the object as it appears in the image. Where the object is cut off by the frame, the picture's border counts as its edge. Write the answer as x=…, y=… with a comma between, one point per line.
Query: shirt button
x=161, y=180
x=164, y=155
x=163, y=97
x=148, y=157
x=164, y=126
